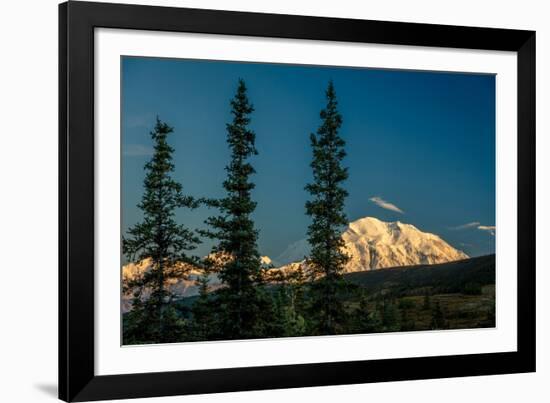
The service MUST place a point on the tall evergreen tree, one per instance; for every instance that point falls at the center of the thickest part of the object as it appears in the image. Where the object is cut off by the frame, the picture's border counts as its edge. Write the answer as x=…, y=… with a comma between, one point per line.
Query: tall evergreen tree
x=160, y=238
x=242, y=300
x=326, y=208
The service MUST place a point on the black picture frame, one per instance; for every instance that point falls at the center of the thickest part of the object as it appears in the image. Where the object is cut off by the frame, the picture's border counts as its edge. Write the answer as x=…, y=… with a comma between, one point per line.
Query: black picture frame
x=77, y=379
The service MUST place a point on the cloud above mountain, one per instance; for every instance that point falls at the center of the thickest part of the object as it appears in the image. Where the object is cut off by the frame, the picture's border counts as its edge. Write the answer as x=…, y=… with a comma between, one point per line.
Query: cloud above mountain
x=489, y=228
x=386, y=205
x=466, y=226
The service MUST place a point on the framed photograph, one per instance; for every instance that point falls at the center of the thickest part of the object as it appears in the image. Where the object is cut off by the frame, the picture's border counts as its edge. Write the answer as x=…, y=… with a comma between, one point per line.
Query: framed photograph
x=256, y=201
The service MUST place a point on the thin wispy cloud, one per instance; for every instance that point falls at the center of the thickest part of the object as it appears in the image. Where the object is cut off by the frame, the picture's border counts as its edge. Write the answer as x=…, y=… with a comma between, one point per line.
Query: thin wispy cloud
x=386, y=205
x=137, y=150
x=491, y=229
x=473, y=224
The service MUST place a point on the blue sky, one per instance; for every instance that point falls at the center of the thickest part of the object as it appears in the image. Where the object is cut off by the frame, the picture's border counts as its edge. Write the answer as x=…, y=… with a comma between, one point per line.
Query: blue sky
x=421, y=145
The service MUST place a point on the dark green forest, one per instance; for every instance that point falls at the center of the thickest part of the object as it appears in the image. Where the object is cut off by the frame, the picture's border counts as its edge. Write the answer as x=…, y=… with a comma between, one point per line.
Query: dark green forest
x=255, y=301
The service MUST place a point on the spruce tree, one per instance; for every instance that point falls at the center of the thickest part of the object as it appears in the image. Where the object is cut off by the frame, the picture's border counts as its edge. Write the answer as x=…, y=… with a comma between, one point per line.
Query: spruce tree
x=203, y=323
x=241, y=300
x=287, y=319
x=407, y=314
x=390, y=316
x=326, y=208
x=161, y=239
x=365, y=320
x=438, y=317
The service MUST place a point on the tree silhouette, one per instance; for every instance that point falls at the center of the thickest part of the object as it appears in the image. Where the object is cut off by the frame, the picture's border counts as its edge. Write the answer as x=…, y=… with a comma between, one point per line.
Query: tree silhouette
x=326, y=208
x=165, y=242
x=242, y=302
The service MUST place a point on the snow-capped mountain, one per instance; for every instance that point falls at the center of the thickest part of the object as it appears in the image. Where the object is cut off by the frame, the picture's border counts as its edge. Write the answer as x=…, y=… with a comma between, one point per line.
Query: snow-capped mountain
x=185, y=286
x=369, y=242
x=374, y=244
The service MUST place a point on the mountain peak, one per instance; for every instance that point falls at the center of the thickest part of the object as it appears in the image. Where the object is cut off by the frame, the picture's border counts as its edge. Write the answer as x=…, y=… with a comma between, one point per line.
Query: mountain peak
x=372, y=244
x=377, y=229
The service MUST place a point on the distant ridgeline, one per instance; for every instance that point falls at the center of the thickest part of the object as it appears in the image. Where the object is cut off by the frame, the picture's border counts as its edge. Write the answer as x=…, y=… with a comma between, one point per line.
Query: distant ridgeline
x=453, y=277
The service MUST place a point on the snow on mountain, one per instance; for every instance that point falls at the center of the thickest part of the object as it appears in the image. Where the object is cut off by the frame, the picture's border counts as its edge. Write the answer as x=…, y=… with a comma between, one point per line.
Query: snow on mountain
x=185, y=286
x=374, y=244
x=266, y=261
x=369, y=242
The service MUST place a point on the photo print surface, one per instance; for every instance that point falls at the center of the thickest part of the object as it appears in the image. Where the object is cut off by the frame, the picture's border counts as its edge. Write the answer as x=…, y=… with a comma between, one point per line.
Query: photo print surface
x=270, y=200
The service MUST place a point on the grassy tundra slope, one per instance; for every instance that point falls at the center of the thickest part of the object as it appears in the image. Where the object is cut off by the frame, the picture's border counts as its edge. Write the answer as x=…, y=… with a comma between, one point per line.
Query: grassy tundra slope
x=453, y=295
